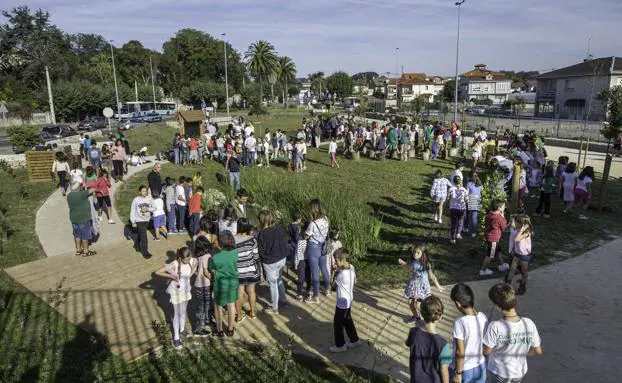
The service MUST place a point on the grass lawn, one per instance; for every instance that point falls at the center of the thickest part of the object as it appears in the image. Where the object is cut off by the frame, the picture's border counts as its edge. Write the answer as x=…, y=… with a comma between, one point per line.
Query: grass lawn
x=360, y=193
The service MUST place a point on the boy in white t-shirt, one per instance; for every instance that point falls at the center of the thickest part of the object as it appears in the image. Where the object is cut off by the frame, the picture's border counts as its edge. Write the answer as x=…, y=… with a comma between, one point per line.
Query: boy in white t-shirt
x=345, y=277
x=509, y=341
x=468, y=364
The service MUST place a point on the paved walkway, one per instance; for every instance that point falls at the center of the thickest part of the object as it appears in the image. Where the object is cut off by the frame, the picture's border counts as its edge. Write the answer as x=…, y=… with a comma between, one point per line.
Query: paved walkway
x=575, y=305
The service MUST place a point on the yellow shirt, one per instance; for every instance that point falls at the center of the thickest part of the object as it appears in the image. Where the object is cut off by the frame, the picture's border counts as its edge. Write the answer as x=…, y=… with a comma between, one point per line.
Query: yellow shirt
x=197, y=181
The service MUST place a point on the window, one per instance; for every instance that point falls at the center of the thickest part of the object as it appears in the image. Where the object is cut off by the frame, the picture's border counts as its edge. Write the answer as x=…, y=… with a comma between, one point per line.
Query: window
x=426, y=87
x=569, y=86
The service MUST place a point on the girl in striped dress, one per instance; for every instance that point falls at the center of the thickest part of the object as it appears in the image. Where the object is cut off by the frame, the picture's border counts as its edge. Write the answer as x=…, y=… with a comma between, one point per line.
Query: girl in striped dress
x=474, y=198
x=248, y=268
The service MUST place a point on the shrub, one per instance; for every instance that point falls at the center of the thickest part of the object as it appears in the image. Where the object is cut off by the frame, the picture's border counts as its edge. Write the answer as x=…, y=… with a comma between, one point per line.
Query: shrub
x=292, y=106
x=24, y=137
x=258, y=110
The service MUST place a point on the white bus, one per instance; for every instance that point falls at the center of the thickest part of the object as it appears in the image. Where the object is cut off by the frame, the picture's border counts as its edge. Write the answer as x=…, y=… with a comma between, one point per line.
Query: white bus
x=137, y=109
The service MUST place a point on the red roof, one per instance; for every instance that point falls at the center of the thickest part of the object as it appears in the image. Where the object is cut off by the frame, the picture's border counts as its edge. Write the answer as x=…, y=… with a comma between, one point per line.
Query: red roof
x=481, y=73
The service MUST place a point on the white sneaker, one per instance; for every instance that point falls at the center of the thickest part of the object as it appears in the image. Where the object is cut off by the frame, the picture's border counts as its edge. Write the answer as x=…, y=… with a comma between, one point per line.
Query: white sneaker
x=440, y=220
x=99, y=219
x=459, y=236
x=452, y=241
x=110, y=221
x=435, y=218
x=583, y=217
x=354, y=344
x=336, y=349
x=504, y=267
x=483, y=273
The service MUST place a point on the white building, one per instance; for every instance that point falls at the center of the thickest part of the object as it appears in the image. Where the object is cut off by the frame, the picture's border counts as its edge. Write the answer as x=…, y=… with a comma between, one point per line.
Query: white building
x=572, y=92
x=413, y=85
x=482, y=83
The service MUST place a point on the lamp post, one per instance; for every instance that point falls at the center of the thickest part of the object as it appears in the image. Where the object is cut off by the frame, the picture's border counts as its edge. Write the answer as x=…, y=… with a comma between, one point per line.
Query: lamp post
x=397, y=75
x=116, y=87
x=459, y=4
x=224, y=43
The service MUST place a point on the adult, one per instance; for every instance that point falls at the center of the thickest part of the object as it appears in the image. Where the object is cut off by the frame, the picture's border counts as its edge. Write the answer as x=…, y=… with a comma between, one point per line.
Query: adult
x=223, y=266
x=118, y=158
x=272, y=254
x=250, y=146
x=176, y=148
x=81, y=217
x=316, y=234
x=239, y=204
x=248, y=268
x=155, y=180
x=232, y=165
x=140, y=215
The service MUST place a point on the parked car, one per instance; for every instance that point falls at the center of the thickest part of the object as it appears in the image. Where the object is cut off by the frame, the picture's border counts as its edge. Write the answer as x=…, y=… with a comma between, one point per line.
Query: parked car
x=93, y=123
x=152, y=117
x=477, y=110
x=132, y=123
x=57, y=131
x=348, y=108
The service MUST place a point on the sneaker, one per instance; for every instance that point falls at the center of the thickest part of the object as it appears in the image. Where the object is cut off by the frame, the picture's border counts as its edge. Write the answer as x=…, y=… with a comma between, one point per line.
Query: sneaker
x=312, y=299
x=435, y=218
x=157, y=239
x=177, y=344
x=240, y=319
x=354, y=344
x=185, y=334
x=440, y=220
x=99, y=219
x=147, y=255
x=111, y=221
x=546, y=216
x=202, y=332
x=521, y=289
x=459, y=236
x=336, y=349
x=483, y=273
x=452, y=241
x=504, y=267
x=583, y=217
x=300, y=298
x=473, y=235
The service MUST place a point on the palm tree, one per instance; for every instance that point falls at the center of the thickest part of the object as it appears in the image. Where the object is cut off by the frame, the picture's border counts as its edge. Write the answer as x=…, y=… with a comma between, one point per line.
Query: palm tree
x=287, y=72
x=262, y=61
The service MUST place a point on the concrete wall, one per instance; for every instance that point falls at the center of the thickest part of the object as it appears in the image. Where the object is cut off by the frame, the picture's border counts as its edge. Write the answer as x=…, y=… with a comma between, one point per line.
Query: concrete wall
x=580, y=88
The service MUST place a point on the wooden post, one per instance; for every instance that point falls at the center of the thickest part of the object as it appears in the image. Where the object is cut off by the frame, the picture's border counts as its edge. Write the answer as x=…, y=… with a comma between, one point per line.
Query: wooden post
x=579, y=157
x=515, y=187
x=603, y=183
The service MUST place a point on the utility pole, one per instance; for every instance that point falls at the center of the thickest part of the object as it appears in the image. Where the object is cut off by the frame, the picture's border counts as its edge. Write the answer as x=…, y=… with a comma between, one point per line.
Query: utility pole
x=397, y=75
x=50, y=98
x=226, y=74
x=116, y=87
x=459, y=4
x=152, y=83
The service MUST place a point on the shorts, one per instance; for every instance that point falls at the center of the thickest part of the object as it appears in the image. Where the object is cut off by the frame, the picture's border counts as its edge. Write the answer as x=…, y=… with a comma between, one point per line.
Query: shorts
x=96, y=163
x=581, y=194
x=493, y=249
x=82, y=231
x=194, y=155
x=523, y=258
x=498, y=379
x=521, y=192
x=439, y=199
x=104, y=200
x=158, y=221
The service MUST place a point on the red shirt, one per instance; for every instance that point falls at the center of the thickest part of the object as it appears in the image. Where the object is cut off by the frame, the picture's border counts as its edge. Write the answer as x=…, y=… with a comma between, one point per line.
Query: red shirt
x=194, y=206
x=495, y=224
x=194, y=144
x=101, y=187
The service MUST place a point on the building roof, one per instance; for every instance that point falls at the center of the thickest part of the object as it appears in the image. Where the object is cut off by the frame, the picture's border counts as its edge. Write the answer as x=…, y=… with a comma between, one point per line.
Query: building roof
x=419, y=79
x=481, y=73
x=600, y=66
x=412, y=76
x=192, y=115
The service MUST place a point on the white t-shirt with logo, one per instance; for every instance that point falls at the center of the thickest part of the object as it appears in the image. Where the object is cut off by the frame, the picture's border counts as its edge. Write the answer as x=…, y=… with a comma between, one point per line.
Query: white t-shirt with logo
x=470, y=329
x=510, y=342
x=344, y=280
x=583, y=183
x=179, y=190
x=318, y=230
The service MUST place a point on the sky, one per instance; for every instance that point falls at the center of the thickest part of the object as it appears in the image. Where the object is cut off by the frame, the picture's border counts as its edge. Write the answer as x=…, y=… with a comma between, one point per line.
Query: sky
x=362, y=35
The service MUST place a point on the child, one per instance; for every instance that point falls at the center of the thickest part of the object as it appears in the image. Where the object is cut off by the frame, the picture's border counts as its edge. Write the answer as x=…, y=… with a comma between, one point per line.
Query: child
x=294, y=237
x=179, y=272
x=468, y=331
x=290, y=157
x=345, y=277
x=474, y=198
x=508, y=341
x=224, y=268
x=457, y=172
x=332, y=152
x=275, y=146
x=61, y=168
x=522, y=188
x=477, y=152
x=91, y=174
x=195, y=209
x=582, y=190
x=159, y=224
x=569, y=180
x=546, y=190
x=457, y=208
x=197, y=180
x=534, y=179
x=419, y=286
x=301, y=266
x=430, y=353
x=439, y=194
x=102, y=192
x=181, y=202
x=332, y=245
x=495, y=223
x=266, y=152
x=520, y=247
x=562, y=163
x=170, y=200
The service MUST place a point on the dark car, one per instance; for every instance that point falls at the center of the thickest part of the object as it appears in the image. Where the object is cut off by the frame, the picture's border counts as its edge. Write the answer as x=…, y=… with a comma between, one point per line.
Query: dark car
x=152, y=117
x=93, y=123
x=57, y=131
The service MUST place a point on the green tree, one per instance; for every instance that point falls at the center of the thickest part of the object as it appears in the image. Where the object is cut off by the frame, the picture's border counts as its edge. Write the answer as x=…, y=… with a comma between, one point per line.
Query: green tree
x=364, y=78
x=612, y=101
x=208, y=90
x=262, y=61
x=100, y=68
x=340, y=83
x=132, y=61
x=317, y=79
x=418, y=104
x=516, y=106
x=449, y=90
x=287, y=73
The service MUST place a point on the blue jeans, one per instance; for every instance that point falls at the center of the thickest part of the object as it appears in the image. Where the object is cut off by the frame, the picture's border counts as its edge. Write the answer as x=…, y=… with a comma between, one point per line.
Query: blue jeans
x=474, y=375
x=181, y=217
x=171, y=218
x=473, y=221
x=176, y=152
x=234, y=180
x=274, y=272
x=317, y=260
x=193, y=224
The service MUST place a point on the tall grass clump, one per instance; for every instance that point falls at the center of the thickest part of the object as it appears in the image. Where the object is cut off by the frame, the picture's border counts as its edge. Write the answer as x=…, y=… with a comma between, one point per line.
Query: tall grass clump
x=286, y=195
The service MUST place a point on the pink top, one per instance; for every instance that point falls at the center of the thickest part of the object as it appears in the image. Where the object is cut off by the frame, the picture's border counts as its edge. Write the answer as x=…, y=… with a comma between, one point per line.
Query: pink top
x=118, y=153
x=522, y=247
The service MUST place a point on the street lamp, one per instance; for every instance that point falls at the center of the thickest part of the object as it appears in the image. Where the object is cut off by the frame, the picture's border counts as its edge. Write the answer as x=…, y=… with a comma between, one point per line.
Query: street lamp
x=459, y=4
x=397, y=75
x=116, y=87
x=224, y=43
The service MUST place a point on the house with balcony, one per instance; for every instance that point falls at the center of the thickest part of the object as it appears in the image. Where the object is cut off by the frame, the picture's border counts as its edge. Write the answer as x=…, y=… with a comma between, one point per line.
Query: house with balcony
x=572, y=92
x=413, y=85
x=482, y=83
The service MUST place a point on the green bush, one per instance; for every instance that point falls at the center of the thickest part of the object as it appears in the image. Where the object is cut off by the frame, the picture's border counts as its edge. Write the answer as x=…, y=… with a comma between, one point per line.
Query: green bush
x=293, y=106
x=24, y=137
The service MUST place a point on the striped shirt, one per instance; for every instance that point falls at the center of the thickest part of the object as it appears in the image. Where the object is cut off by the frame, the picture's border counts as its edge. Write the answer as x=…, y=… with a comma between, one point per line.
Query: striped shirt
x=248, y=259
x=439, y=188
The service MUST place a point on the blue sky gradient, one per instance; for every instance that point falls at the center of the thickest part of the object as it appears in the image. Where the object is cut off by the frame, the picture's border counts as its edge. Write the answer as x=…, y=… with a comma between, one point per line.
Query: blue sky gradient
x=361, y=35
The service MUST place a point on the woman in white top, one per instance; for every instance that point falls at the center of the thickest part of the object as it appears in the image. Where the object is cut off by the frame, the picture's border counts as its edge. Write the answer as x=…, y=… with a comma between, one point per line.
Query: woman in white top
x=228, y=222
x=61, y=169
x=316, y=234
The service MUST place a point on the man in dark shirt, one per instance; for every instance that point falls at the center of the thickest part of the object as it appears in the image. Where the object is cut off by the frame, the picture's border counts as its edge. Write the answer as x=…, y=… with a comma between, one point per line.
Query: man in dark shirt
x=155, y=180
x=233, y=167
